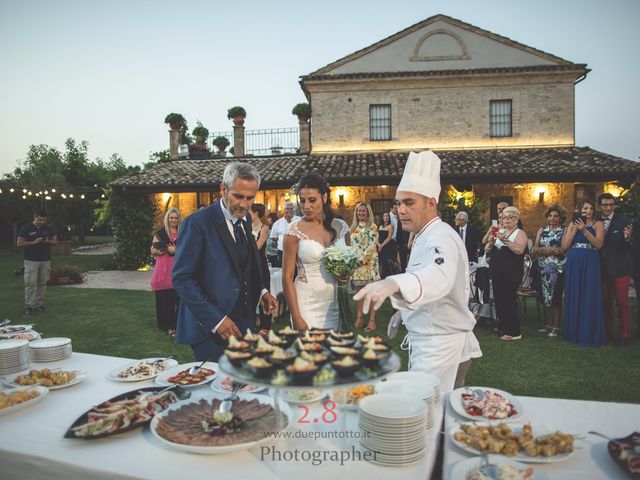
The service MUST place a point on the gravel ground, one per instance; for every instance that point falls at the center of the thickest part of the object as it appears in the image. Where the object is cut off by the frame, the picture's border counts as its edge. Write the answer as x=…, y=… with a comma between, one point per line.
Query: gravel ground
x=116, y=279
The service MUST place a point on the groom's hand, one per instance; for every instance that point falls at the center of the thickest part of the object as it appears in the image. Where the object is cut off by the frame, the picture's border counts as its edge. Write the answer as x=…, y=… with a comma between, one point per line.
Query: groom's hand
x=269, y=304
x=374, y=294
x=227, y=328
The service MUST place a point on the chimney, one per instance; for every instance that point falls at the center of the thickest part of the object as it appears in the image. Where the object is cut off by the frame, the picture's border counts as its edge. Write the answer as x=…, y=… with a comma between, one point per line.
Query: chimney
x=174, y=142
x=305, y=135
x=238, y=139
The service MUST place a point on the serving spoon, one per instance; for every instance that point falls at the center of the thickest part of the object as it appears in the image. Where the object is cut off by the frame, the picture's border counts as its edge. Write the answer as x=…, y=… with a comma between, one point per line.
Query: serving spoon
x=636, y=448
x=491, y=470
x=181, y=392
x=227, y=403
x=195, y=369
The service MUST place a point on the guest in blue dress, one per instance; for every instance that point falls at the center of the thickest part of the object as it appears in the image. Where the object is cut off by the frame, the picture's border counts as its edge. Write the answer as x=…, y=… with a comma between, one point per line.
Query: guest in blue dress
x=583, y=303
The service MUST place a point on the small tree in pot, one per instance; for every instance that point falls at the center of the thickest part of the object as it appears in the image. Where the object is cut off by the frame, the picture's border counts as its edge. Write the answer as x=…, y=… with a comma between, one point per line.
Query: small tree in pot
x=175, y=121
x=237, y=114
x=201, y=133
x=221, y=143
x=302, y=111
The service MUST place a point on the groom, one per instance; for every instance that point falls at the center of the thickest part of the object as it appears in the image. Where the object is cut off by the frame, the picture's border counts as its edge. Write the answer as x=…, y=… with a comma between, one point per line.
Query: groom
x=216, y=271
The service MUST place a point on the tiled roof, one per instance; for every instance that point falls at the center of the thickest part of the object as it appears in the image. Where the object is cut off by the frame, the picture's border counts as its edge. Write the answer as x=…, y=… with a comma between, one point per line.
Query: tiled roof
x=562, y=164
x=423, y=23
x=579, y=68
x=374, y=168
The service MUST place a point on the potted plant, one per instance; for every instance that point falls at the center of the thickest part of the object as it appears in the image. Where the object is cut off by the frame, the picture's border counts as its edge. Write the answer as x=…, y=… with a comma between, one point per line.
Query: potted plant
x=200, y=133
x=237, y=114
x=302, y=111
x=67, y=275
x=175, y=121
x=221, y=143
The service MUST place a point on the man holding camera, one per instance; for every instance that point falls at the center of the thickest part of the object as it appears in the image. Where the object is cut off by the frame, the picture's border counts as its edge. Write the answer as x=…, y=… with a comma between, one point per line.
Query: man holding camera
x=36, y=238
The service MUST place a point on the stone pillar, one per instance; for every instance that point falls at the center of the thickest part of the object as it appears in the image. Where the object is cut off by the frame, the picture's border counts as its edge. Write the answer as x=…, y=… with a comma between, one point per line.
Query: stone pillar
x=305, y=135
x=174, y=142
x=238, y=140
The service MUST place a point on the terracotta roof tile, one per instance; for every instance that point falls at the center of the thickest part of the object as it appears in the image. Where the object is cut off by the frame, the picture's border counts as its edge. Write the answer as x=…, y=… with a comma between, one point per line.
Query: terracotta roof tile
x=564, y=164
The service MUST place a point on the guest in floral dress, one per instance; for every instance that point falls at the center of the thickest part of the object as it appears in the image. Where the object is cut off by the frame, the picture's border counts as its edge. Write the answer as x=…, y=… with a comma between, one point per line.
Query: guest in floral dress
x=364, y=238
x=551, y=264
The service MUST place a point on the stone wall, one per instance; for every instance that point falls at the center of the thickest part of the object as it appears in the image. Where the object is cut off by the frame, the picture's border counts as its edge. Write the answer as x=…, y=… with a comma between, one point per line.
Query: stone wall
x=443, y=113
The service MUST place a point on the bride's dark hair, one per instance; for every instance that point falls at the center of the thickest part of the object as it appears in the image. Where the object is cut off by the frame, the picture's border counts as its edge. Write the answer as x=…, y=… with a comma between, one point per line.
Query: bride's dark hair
x=313, y=180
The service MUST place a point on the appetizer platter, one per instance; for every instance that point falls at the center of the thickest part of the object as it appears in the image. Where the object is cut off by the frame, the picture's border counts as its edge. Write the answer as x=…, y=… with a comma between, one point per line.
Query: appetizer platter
x=512, y=440
x=52, y=379
x=349, y=398
x=179, y=375
x=22, y=335
x=9, y=329
x=625, y=455
x=481, y=403
x=144, y=369
x=19, y=398
x=121, y=413
x=469, y=469
x=224, y=384
x=197, y=426
x=302, y=396
x=315, y=358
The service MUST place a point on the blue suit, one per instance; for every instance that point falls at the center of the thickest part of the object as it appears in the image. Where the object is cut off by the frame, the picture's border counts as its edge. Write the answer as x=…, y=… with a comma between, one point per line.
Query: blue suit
x=207, y=277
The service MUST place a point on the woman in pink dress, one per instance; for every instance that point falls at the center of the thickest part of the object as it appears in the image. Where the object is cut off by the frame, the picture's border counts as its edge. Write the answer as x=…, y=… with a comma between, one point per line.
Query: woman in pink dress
x=164, y=249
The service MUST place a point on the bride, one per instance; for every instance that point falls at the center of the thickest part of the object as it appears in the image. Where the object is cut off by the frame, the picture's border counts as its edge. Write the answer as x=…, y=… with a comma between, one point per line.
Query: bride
x=312, y=297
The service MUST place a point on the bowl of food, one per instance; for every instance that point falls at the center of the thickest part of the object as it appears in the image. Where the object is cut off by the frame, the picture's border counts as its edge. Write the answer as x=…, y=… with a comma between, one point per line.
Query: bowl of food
x=302, y=371
x=237, y=358
x=339, y=352
x=275, y=340
x=289, y=334
x=281, y=358
x=261, y=367
x=236, y=345
x=319, y=358
x=372, y=359
x=251, y=337
x=346, y=366
x=263, y=349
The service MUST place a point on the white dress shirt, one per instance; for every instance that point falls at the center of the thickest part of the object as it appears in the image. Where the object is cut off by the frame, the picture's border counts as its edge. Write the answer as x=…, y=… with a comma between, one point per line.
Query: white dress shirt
x=394, y=221
x=279, y=228
x=231, y=219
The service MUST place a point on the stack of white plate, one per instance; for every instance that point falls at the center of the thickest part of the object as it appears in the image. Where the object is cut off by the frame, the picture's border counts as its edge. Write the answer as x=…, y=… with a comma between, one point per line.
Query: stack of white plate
x=425, y=379
x=14, y=356
x=50, y=349
x=411, y=389
x=392, y=426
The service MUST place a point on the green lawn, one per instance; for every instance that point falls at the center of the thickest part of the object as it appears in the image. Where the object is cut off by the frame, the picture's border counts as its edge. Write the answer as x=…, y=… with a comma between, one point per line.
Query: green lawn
x=122, y=323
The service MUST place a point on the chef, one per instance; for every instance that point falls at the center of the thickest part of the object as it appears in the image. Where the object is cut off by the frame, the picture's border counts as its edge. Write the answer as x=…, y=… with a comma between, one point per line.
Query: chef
x=432, y=296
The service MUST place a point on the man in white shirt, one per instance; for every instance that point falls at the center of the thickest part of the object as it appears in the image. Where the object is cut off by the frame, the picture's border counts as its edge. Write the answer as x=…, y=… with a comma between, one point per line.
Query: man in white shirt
x=433, y=294
x=276, y=236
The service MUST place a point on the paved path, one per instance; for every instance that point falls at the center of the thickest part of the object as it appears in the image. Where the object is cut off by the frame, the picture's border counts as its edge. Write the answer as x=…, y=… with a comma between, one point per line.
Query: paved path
x=121, y=280
x=104, y=249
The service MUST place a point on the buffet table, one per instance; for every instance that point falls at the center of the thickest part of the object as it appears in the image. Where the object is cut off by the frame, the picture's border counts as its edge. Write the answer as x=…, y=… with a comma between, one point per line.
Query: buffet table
x=33, y=446
x=590, y=460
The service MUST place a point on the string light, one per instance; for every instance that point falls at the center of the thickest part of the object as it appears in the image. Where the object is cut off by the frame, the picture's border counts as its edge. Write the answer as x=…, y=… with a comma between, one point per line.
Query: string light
x=47, y=197
x=11, y=190
x=63, y=195
x=53, y=190
x=24, y=196
x=24, y=190
x=71, y=195
x=82, y=196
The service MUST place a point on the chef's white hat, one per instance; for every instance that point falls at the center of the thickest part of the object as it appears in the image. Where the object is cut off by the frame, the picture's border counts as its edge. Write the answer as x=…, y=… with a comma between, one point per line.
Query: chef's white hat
x=421, y=174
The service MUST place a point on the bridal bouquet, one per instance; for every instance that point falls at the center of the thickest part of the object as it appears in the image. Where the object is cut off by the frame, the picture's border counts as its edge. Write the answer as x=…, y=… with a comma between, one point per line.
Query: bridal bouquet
x=340, y=261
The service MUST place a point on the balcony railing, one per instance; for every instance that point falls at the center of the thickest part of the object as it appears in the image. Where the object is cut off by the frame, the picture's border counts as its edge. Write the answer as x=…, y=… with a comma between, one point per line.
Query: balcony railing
x=270, y=141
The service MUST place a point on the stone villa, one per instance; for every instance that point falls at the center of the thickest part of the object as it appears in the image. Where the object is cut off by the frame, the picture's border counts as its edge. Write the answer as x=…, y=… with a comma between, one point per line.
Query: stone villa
x=500, y=114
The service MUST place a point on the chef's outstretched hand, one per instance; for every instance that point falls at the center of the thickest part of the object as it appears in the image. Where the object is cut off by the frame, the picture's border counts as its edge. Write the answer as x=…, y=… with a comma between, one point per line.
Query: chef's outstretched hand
x=374, y=294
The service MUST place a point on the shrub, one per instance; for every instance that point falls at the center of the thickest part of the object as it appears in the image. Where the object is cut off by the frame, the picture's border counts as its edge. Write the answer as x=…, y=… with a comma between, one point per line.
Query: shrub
x=132, y=218
x=236, y=111
x=302, y=110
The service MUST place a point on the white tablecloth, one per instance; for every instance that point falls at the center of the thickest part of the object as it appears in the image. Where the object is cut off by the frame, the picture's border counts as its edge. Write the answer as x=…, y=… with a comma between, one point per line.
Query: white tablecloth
x=591, y=459
x=32, y=444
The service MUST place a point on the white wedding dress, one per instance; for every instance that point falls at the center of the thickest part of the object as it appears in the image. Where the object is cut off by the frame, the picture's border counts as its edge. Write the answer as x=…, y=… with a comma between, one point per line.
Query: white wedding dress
x=316, y=288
